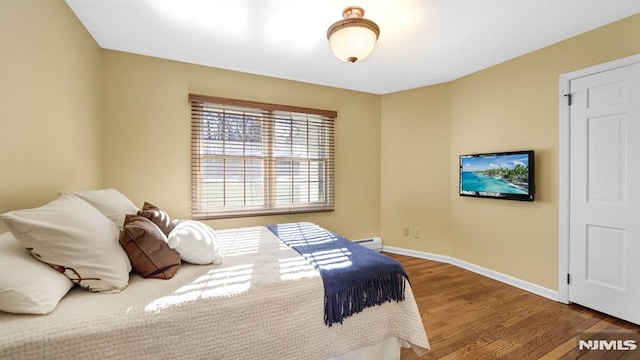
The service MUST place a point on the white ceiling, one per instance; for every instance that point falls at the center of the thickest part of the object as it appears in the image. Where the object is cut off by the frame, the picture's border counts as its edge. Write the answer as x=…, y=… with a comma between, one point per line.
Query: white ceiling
x=422, y=42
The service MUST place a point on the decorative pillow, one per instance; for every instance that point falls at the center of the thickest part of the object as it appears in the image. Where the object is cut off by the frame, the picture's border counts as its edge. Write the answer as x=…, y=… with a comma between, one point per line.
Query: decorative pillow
x=196, y=242
x=147, y=248
x=158, y=217
x=110, y=202
x=76, y=239
x=27, y=286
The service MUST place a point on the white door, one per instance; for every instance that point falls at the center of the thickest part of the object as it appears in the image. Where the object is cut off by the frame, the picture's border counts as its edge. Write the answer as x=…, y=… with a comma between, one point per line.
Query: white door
x=604, y=206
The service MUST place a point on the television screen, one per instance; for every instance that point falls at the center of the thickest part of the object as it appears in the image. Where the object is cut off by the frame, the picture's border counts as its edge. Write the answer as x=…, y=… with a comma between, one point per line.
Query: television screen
x=505, y=175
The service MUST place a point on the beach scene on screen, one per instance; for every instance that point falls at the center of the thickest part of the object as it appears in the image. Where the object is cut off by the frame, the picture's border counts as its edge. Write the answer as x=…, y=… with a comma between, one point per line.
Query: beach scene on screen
x=506, y=174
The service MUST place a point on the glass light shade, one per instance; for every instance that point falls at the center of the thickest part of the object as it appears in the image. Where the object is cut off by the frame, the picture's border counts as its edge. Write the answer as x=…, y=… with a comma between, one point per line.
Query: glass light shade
x=353, y=38
x=353, y=43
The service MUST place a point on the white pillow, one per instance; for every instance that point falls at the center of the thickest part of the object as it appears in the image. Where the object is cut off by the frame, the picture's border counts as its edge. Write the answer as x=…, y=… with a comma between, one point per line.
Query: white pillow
x=76, y=239
x=196, y=242
x=112, y=203
x=27, y=286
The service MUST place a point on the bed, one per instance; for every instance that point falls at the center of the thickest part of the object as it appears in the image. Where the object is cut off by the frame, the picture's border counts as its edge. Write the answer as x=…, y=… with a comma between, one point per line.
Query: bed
x=265, y=301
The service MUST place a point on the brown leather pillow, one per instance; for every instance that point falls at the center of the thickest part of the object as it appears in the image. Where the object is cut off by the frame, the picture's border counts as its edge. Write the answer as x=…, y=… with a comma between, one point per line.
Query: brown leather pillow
x=147, y=249
x=158, y=217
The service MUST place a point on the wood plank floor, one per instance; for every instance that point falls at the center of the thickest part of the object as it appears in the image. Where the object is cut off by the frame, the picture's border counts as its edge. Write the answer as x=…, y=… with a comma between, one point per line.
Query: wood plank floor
x=469, y=316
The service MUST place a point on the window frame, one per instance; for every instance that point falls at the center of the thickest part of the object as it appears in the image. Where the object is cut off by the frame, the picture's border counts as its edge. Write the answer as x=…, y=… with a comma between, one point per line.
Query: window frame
x=270, y=114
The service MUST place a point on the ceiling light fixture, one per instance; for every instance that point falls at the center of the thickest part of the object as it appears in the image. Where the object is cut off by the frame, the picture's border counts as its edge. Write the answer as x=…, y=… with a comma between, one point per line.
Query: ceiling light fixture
x=353, y=38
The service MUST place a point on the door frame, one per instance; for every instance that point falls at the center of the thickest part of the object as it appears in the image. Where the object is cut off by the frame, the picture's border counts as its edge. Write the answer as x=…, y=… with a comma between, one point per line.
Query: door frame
x=564, y=211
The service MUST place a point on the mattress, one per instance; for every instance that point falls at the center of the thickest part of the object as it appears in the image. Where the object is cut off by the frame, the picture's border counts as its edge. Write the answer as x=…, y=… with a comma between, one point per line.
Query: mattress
x=265, y=301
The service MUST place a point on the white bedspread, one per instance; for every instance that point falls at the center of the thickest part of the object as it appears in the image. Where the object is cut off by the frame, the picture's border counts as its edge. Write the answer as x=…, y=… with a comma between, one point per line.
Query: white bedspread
x=264, y=302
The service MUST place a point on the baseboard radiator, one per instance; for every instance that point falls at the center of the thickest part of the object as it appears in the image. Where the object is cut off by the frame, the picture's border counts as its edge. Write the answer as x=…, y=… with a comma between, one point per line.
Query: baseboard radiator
x=374, y=243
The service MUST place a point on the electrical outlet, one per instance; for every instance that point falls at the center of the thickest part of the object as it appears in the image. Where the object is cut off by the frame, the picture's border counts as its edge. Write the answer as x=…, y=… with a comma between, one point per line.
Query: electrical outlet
x=416, y=233
x=405, y=231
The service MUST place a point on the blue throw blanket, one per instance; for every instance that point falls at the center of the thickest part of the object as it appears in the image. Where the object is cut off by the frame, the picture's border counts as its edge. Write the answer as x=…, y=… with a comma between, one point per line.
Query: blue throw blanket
x=354, y=276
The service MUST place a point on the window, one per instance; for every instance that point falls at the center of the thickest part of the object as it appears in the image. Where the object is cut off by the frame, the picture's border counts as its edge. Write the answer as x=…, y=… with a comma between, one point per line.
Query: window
x=250, y=158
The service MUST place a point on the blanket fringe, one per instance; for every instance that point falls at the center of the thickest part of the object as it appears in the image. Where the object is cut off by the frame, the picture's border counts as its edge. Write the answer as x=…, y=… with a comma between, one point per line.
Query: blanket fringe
x=384, y=288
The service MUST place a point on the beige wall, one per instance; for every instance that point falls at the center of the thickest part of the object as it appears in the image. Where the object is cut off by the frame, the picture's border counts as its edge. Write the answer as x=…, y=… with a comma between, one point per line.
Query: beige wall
x=146, y=152
x=50, y=71
x=415, y=169
x=511, y=106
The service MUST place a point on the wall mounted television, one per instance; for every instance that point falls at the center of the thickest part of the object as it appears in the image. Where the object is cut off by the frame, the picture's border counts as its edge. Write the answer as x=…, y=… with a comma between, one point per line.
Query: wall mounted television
x=503, y=175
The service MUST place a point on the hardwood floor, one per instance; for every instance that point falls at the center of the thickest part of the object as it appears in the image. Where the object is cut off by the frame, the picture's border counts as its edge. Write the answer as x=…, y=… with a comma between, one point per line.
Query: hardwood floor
x=469, y=316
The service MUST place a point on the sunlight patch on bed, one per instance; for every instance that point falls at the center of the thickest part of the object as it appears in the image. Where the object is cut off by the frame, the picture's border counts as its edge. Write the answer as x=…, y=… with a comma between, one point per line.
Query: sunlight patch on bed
x=296, y=268
x=330, y=259
x=312, y=236
x=217, y=283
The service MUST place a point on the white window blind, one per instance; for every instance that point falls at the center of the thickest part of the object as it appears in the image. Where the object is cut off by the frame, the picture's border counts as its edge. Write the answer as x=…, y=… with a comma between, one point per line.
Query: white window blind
x=250, y=158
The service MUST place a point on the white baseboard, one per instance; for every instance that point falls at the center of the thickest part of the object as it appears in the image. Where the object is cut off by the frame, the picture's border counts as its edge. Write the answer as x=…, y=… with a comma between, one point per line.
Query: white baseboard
x=507, y=279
